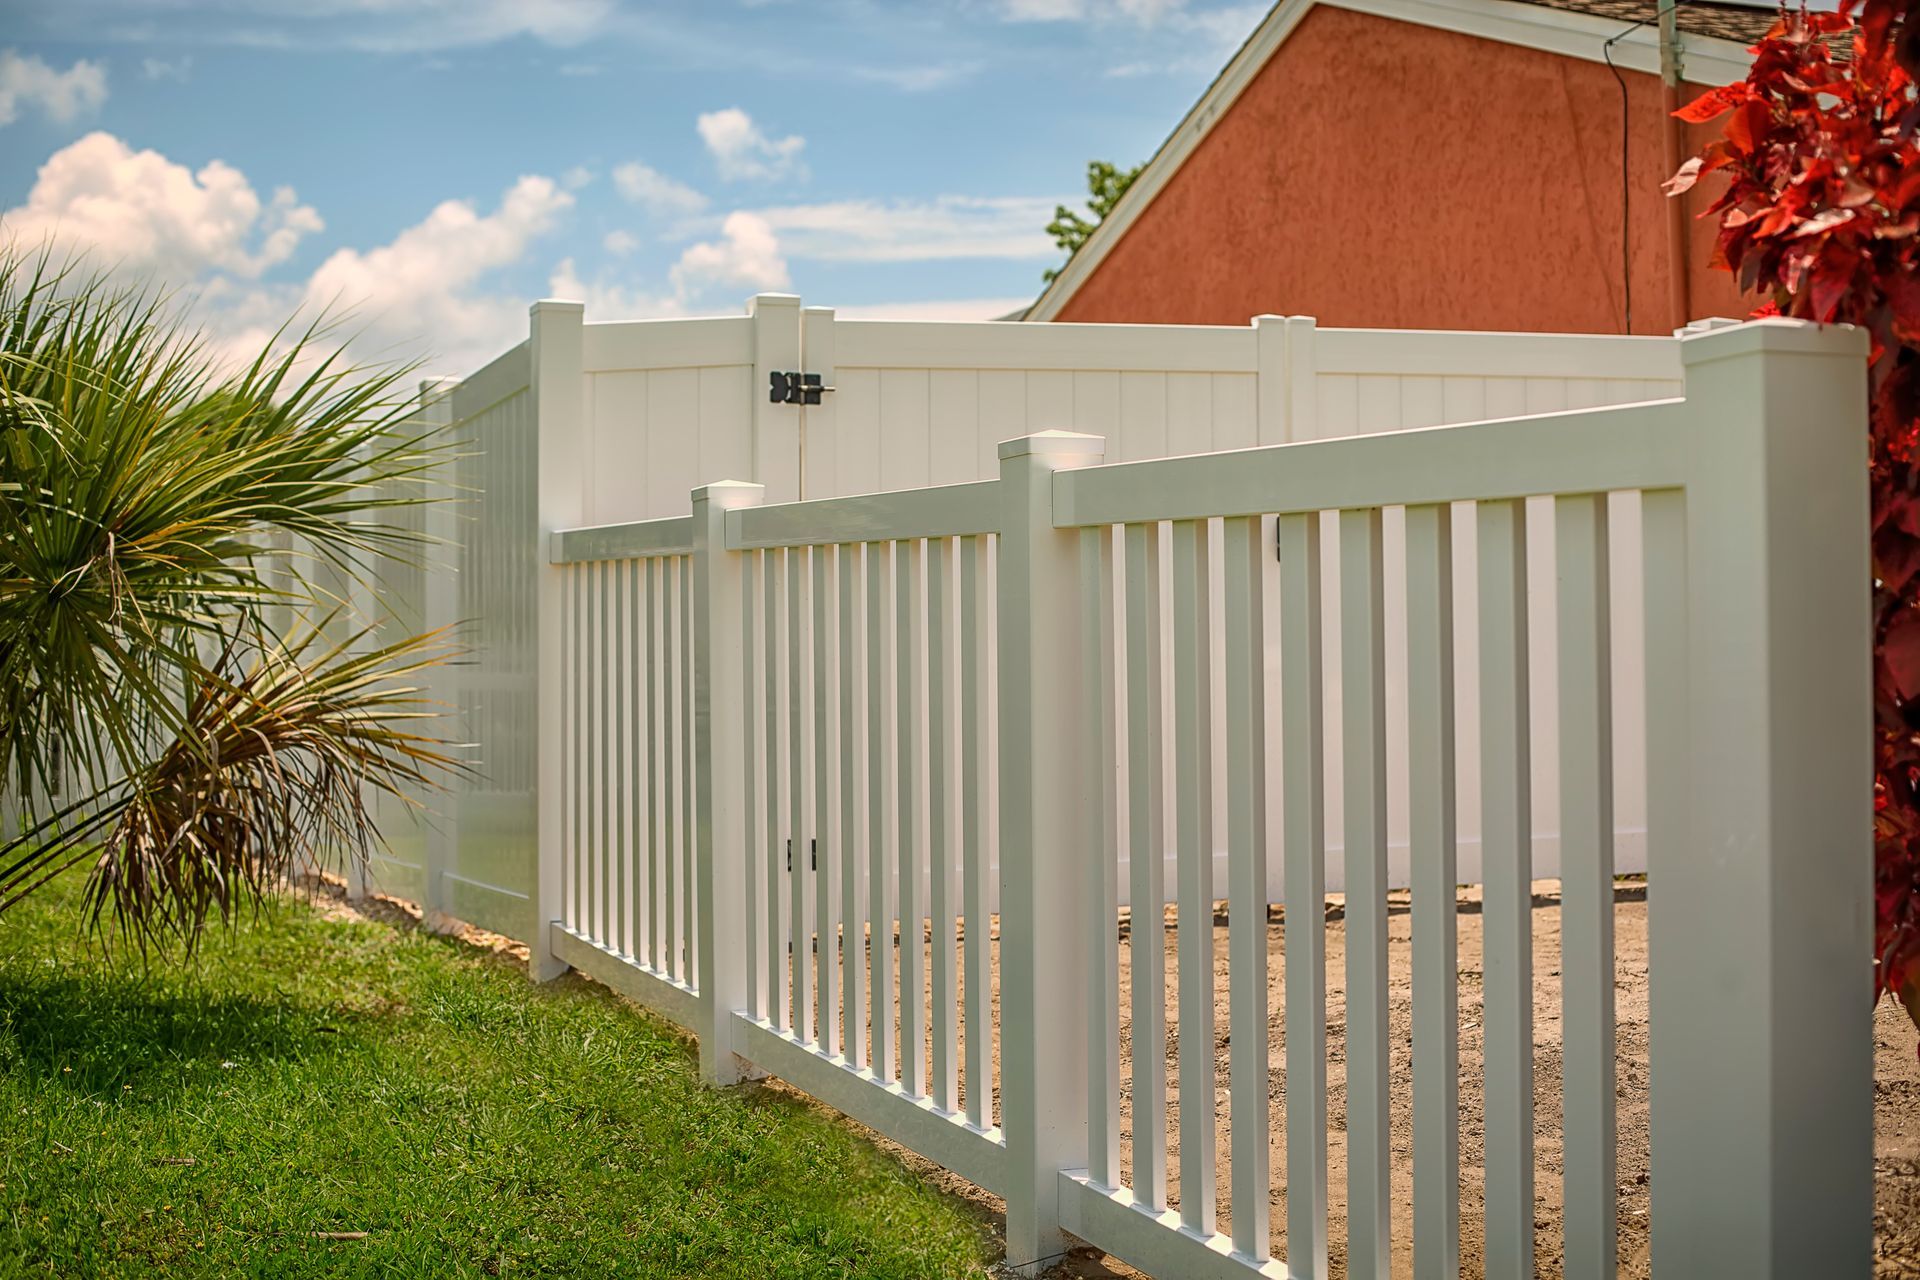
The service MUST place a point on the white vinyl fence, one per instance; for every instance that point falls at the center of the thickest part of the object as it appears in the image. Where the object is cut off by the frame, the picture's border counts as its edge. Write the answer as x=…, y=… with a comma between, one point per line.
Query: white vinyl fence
x=601, y=423
x=781, y=744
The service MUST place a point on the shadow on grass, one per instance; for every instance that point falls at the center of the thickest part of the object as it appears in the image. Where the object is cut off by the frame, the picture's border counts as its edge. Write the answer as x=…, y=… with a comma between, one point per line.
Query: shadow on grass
x=91, y=1033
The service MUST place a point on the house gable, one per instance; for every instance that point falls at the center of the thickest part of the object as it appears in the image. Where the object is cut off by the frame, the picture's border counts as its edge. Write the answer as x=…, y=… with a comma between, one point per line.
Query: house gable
x=1269, y=56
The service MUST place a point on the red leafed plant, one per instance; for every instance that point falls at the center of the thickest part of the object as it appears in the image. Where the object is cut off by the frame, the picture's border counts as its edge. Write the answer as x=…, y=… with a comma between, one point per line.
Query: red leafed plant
x=1821, y=215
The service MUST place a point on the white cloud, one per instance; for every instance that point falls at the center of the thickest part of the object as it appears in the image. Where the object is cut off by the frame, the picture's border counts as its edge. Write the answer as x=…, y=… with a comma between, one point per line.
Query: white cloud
x=656, y=192
x=620, y=243
x=610, y=301
x=916, y=230
x=139, y=211
x=181, y=69
x=747, y=254
x=420, y=287
x=742, y=151
x=209, y=233
x=576, y=177
x=60, y=95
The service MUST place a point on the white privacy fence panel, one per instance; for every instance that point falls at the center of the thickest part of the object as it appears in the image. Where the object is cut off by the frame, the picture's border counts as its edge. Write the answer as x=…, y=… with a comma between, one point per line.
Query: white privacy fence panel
x=481, y=581
x=668, y=407
x=391, y=598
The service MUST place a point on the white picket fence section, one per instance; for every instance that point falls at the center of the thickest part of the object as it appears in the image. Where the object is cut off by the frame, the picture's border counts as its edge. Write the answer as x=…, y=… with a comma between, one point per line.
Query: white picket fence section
x=790, y=737
x=620, y=421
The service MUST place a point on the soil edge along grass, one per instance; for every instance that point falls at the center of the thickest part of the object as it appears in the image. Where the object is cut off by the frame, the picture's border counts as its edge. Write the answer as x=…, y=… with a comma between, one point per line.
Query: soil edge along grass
x=315, y=1096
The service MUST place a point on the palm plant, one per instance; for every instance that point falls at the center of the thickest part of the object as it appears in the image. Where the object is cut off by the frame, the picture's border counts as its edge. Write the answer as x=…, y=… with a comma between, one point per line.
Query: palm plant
x=177, y=704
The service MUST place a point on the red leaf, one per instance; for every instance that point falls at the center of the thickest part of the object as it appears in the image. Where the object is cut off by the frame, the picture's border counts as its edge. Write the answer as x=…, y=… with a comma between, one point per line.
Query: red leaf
x=1683, y=180
x=1711, y=104
x=1903, y=299
x=1748, y=126
x=1901, y=651
x=1832, y=280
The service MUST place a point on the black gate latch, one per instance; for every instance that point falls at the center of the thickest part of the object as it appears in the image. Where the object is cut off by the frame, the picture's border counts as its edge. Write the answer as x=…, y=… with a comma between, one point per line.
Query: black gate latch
x=794, y=388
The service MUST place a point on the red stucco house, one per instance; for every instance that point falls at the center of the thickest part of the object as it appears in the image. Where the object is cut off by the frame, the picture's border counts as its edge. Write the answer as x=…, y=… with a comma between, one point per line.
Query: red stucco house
x=1429, y=164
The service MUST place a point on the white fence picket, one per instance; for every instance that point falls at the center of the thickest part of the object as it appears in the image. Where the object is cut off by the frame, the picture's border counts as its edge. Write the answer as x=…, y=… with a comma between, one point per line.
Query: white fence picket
x=1436, y=959
x=1507, y=903
x=1363, y=707
x=1586, y=918
x=1304, y=849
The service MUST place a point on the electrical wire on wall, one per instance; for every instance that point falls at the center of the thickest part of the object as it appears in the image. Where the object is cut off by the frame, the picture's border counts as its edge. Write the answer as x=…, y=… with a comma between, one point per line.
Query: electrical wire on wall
x=1626, y=172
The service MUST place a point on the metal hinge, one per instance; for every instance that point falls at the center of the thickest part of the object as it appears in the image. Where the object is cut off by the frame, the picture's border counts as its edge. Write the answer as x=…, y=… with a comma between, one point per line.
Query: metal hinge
x=794, y=388
x=813, y=854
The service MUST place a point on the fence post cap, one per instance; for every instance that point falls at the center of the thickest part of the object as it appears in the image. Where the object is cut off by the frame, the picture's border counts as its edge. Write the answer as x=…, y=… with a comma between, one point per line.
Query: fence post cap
x=730, y=493
x=1773, y=335
x=556, y=306
x=1272, y=318
x=764, y=301
x=1076, y=443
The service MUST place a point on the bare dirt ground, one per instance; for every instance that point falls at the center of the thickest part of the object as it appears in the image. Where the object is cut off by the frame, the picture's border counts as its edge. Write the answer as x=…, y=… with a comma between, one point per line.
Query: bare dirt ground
x=1896, y=1092
x=1896, y=1086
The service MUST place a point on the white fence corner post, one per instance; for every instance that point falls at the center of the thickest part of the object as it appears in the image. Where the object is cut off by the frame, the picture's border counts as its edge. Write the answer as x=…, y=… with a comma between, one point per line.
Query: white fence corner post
x=720, y=759
x=1044, y=813
x=561, y=468
x=1761, y=770
x=1283, y=347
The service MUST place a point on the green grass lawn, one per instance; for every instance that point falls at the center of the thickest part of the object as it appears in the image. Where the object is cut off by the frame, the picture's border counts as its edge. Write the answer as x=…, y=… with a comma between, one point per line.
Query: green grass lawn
x=305, y=1075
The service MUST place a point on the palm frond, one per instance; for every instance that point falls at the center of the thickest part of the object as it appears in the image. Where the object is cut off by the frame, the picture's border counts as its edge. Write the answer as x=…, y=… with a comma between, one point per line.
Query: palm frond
x=162, y=517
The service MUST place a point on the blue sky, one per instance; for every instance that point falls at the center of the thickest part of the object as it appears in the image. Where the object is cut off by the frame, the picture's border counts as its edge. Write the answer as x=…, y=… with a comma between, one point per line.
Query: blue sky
x=439, y=163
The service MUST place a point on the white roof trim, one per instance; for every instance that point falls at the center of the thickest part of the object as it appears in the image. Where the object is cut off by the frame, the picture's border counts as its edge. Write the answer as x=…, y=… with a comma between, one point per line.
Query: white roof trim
x=1708, y=60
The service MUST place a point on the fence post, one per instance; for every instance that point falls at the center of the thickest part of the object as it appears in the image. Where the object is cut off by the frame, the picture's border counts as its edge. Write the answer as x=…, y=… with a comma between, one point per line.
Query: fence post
x=560, y=466
x=720, y=754
x=775, y=444
x=1044, y=811
x=1283, y=347
x=1760, y=775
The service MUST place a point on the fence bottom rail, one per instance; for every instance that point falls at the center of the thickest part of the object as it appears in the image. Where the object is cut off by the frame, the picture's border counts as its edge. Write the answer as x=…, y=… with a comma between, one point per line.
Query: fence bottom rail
x=669, y=998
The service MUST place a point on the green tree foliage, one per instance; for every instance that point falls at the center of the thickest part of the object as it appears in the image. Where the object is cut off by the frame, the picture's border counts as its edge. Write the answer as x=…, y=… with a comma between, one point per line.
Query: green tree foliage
x=177, y=706
x=1105, y=185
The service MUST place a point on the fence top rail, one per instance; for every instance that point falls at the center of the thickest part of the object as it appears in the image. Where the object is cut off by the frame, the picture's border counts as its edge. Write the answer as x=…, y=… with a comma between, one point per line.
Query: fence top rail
x=622, y=345
x=507, y=374
x=959, y=344
x=1640, y=446
x=1440, y=353
x=672, y=536
x=944, y=511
